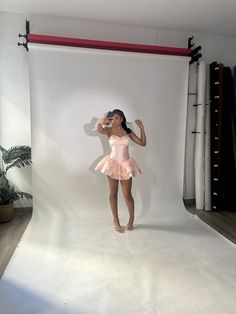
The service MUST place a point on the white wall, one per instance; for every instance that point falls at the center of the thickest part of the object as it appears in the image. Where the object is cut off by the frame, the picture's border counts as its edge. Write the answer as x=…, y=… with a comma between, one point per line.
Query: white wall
x=14, y=90
x=14, y=96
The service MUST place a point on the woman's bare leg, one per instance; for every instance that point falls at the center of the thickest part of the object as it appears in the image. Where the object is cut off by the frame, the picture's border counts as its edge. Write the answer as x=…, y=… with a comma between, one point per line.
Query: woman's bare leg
x=126, y=189
x=113, y=185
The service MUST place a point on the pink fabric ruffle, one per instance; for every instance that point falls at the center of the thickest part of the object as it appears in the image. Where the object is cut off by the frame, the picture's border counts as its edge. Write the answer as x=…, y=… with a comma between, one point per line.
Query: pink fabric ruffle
x=119, y=171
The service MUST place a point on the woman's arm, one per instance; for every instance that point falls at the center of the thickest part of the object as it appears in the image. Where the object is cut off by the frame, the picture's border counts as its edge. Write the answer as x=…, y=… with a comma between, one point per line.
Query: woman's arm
x=142, y=140
x=99, y=127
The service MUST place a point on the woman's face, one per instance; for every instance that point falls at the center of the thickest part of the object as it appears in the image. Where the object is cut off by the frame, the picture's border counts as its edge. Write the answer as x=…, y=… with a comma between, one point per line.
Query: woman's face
x=116, y=120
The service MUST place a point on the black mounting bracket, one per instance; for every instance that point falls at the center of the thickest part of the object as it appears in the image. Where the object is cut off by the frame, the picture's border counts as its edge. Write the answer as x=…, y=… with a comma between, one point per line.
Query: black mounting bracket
x=27, y=30
x=190, y=44
x=195, y=54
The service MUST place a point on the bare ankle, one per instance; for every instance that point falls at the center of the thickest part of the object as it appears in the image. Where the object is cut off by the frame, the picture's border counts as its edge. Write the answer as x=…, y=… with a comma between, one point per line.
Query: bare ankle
x=116, y=221
x=131, y=220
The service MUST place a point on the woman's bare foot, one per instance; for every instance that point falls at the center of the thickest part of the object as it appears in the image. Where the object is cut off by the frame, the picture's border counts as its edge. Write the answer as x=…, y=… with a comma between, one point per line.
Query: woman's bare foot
x=129, y=226
x=117, y=226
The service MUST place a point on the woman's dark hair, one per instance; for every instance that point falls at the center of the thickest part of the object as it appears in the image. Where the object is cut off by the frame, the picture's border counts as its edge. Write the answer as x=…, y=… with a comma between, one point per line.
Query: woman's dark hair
x=123, y=123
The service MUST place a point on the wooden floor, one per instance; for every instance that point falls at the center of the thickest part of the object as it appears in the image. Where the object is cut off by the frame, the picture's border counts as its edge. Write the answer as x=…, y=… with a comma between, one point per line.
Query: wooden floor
x=11, y=232
x=223, y=221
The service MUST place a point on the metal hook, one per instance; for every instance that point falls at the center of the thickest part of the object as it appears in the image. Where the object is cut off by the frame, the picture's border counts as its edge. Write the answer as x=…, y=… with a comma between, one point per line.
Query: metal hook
x=24, y=44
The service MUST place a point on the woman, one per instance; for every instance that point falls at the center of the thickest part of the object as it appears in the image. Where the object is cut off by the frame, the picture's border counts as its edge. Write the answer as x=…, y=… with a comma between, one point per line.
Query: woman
x=118, y=166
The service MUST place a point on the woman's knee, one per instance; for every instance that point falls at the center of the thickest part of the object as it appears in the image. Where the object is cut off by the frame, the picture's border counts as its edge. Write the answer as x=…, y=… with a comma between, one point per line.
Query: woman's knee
x=113, y=194
x=128, y=197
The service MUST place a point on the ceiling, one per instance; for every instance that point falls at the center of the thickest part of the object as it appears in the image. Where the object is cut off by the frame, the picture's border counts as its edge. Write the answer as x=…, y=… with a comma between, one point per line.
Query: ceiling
x=212, y=16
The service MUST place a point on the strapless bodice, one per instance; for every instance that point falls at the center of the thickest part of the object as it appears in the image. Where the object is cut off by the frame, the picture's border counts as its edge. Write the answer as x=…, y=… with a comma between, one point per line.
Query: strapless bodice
x=119, y=147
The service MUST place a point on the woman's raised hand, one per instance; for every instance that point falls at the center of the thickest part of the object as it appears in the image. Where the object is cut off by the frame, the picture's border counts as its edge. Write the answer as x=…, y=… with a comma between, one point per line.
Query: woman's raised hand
x=139, y=123
x=107, y=121
x=103, y=121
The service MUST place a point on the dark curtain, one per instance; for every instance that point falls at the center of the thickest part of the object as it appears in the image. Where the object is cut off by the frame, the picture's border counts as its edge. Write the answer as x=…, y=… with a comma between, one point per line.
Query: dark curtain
x=228, y=141
x=223, y=137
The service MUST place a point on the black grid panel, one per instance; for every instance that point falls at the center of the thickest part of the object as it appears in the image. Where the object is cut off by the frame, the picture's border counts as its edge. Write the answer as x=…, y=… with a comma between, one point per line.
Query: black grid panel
x=223, y=167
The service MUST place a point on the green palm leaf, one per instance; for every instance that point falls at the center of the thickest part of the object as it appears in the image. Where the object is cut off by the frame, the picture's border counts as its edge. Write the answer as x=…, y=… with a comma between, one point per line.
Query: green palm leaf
x=16, y=156
x=24, y=194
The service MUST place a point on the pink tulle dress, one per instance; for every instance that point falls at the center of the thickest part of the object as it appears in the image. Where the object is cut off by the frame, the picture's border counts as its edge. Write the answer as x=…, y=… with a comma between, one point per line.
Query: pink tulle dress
x=119, y=165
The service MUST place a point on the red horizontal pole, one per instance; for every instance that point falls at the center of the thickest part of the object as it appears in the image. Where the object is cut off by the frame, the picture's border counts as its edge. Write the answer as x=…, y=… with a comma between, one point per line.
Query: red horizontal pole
x=107, y=45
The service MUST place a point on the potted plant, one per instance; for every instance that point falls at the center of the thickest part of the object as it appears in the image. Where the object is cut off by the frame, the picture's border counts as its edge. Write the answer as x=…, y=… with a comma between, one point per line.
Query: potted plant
x=15, y=156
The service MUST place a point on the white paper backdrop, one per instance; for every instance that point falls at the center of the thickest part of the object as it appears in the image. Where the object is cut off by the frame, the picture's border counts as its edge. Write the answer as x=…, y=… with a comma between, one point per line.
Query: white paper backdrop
x=70, y=89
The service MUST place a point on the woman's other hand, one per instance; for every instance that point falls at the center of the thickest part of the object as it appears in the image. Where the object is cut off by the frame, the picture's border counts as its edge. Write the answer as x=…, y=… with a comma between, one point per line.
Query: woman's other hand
x=139, y=123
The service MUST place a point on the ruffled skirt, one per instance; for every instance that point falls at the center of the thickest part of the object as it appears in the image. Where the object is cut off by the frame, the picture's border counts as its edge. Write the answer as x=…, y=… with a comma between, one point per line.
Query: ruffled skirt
x=119, y=171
